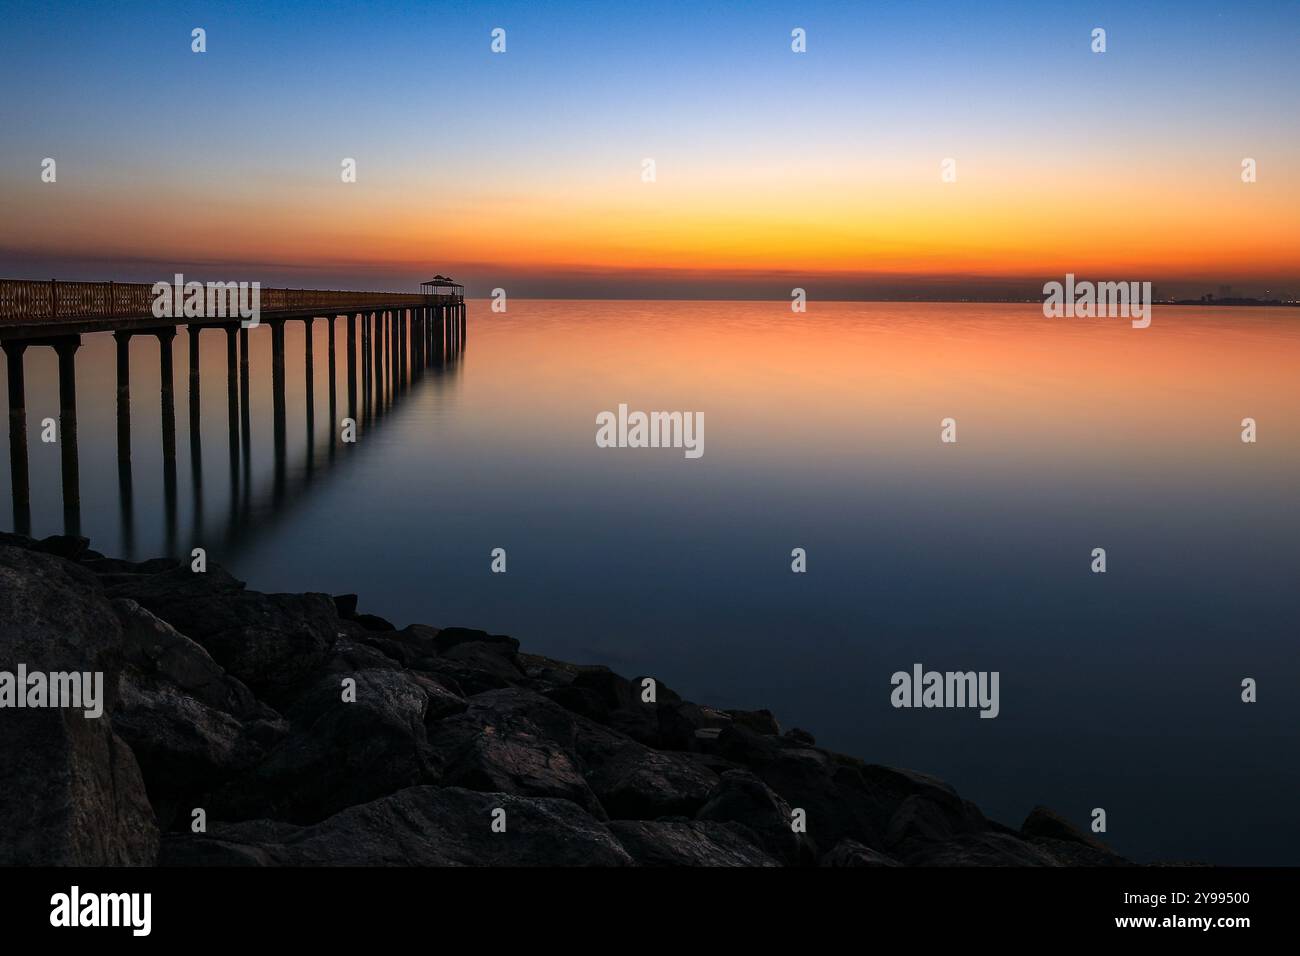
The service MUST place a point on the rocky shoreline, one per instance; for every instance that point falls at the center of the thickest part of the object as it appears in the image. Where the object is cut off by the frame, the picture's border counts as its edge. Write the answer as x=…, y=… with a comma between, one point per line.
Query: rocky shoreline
x=302, y=732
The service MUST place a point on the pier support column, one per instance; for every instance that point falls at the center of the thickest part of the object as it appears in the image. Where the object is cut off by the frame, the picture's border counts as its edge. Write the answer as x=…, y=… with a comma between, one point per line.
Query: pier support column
x=401, y=349
x=232, y=401
x=309, y=375
x=196, y=433
x=67, y=350
x=393, y=341
x=167, y=397
x=245, y=410
x=376, y=347
x=333, y=376
x=167, y=392
x=388, y=318
x=365, y=366
x=417, y=338
x=278, y=404
x=18, y=438
x=406, y=346
x=352, y=369
x=122, y=340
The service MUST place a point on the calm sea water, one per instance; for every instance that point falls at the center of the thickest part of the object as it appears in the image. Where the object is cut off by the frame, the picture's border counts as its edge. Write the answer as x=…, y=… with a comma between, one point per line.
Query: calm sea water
x=1119, y=691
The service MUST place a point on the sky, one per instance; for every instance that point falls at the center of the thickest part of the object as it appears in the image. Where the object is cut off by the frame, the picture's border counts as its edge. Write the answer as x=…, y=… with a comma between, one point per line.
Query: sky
x=772, y=169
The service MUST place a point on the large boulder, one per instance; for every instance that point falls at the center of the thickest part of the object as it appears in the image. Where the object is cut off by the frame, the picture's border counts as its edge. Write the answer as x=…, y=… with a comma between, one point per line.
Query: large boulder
x=190, y=725
x=689, y=843
x=741, y=797
x=1053, y=834
x=851, y=853
x=928, y=810
x=339, y=752
x=71, y=792
x=518, y=741
x=514, y=741
x=272, y=643
x=636, y=783
x=418, y=826
x=837, y=800
x=991, y=848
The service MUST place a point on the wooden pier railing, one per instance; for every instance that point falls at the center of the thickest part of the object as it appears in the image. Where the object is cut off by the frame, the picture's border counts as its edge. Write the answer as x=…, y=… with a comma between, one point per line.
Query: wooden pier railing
x=34, y=300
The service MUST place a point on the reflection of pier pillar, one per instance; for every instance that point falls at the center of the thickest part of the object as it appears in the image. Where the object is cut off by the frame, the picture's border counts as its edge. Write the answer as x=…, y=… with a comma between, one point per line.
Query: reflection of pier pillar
x=196, y=437
x=417, y=342
x=377, y=373
x=232, y=407
x=365, y=366
x=67, y=350
x=401, y=346
x=309, y=373
x=352, y=369
x=310, y=385
x=376, y=347
x=384, y=364
x=278, y=403
x=309, y=361
x=124, y=483
x=168, y=399
x=392, y=355
x=18, y=438
x=333, y=374
x=168, y=394
x=245, y=412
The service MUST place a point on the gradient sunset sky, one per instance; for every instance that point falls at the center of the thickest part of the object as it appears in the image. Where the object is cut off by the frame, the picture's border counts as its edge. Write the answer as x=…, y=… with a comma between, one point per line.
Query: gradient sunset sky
x=774, y=169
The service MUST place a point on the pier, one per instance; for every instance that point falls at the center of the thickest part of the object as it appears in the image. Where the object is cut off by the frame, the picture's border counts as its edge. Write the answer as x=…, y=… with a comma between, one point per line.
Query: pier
x=388, y=341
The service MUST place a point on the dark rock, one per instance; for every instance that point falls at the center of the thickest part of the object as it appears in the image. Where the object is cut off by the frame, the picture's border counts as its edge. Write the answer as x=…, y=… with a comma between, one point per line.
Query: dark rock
x=350, y=655
x=759, y=721
x=517, y=741
x=475, y=667
x=450, y=637
x=637, y=783
x=270, y=642
x=413, y=646
x=741, y=797
x=852, y=853
x=689, y=843
x=837, y=799
x=338, y=753
x=189, y=659
x=920, y=819
x=980, y=849
x=373, y=622
x=929, y=810
x=71, y=792
x=155, y=649
x=70, y=547
x=190, y=725
x=419, y=826
x=617, y=702
x=513, y=741
x=1046, y=823
x=1070, y=853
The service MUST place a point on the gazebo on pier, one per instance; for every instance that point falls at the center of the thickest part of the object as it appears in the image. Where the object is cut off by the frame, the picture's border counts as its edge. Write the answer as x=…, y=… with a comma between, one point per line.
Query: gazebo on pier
x=443, y=287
